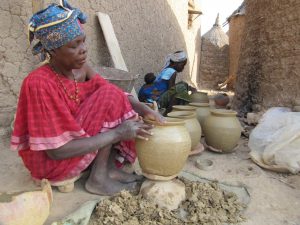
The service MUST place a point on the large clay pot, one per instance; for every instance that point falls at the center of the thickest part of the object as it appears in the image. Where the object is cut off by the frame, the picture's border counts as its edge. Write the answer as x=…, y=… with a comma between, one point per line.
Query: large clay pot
x=191, y=124
x=200, y=97
x=184, y=108
x=203, y=111
x=26, y=208
x=222, y=130
x=163, y=156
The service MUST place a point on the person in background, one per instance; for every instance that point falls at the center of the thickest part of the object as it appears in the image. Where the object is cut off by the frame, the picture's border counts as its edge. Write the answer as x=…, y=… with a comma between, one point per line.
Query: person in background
x=146, y=93
x=69, y=119
x=170, y=93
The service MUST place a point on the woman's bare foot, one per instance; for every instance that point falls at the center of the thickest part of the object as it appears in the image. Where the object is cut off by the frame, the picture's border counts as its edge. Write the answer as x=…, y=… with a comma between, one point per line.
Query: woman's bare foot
x=107, y=187
x=123, y=177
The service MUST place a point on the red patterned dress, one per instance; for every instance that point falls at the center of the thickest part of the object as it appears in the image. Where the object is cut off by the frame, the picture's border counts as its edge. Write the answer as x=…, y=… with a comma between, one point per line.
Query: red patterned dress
x=47, y=119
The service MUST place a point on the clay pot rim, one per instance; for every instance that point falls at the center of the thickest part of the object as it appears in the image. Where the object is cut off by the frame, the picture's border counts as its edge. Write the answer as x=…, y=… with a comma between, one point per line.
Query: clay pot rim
x=169, y=122
x=184, y=107
x=223, y=112
x=199, y=104
x=182, y=114
x=200, y=92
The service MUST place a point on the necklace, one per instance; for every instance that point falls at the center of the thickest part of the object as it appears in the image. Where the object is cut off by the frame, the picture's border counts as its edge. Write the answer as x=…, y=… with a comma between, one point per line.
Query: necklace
x=73, y=97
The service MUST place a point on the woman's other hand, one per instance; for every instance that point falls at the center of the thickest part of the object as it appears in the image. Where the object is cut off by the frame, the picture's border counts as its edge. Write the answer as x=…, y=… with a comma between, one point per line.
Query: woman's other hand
x=130, y=129
x=145, y=111
x=154, y=115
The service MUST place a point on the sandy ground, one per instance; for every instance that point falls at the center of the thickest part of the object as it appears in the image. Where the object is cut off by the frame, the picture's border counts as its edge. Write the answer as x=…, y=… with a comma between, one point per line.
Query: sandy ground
x=275, y=198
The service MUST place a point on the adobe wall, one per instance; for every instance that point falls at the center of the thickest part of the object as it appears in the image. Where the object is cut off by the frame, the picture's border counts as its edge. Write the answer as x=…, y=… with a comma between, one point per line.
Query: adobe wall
x=214, y=65
x=236, y=30
x=269, y=71
x=147, y=31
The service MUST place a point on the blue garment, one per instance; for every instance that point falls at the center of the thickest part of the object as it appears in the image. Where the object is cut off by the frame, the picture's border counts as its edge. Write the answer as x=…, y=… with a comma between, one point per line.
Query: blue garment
x=161, y=82
x=146, y=93
x=55, y=26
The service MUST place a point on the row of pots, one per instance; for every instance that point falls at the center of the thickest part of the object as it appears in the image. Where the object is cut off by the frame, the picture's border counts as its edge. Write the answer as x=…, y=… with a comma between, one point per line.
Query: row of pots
x=164, y=154
x=221, y=128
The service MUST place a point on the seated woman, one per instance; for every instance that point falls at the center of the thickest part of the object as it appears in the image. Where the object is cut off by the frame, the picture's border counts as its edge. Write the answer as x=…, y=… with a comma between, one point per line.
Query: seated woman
x=146, y=91
x=68, y=117
x=170, y=93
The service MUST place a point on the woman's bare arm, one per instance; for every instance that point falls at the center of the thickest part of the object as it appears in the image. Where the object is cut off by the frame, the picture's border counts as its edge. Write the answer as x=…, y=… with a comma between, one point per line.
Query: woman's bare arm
x=172, y=80
x=127, y=130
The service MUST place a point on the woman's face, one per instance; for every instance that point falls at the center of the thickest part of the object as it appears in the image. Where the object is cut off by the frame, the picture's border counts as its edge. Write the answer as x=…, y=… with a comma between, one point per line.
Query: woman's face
x=180, y=66
x=73, y=54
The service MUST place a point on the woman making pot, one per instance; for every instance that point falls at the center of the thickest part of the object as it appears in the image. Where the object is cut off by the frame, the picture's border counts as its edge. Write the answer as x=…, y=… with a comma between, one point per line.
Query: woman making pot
x=69, y=118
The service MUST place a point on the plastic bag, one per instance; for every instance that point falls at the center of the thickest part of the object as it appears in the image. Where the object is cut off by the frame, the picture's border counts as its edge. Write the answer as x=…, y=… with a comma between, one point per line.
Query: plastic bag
x=275, y=142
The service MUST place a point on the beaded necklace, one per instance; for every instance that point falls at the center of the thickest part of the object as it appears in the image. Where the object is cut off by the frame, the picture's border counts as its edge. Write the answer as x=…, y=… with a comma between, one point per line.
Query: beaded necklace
x=73, y=97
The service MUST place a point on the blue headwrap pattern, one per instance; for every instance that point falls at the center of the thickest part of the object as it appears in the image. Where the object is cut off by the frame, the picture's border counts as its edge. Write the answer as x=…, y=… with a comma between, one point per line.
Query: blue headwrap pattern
x=55, y=26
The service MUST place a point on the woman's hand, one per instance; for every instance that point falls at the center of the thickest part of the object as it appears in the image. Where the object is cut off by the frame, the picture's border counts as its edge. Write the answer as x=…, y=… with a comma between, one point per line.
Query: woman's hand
x=154, y=115
x=145, y=111
x=133, y=129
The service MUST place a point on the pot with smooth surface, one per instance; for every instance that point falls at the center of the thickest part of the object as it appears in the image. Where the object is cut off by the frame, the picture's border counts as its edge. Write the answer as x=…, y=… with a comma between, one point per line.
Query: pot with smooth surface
x=202, y=110
x=163, y=156
x=191, y=123
x=200, y=97
x=222, y=130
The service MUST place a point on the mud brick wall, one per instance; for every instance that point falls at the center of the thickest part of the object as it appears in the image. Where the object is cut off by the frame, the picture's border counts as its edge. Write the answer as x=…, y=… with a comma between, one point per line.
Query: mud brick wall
x=214, y=65
x=147, y=31
x=269, y=68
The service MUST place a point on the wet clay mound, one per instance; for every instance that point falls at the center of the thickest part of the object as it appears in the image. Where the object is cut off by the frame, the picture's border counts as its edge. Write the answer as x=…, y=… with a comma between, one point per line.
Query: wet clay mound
x=206, y=204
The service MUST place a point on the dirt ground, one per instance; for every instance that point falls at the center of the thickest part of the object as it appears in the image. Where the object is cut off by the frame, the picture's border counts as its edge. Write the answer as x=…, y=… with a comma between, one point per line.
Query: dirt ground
x=275, y=198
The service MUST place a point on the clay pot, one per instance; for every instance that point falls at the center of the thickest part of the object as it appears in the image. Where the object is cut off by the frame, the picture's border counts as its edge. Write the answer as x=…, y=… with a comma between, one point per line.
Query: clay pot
x=163, y=156
x=221, y=100
x=184, y=108
x=222, y=130
x=26, y=208
x=202, y=110
x=200, y=97
x=191, y=124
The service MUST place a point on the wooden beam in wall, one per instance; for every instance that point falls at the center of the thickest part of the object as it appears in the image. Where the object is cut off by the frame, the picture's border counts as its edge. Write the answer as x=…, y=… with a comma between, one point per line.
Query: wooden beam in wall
x=112, y=41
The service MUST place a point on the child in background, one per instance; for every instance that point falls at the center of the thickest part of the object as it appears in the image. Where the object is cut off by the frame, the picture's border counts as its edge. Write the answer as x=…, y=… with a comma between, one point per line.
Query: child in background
x=147, y=93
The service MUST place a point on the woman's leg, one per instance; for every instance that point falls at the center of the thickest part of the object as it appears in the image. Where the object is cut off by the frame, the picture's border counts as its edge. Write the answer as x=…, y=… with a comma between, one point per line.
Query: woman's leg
x=117, y=173
x=99, y=181
x=106, y=107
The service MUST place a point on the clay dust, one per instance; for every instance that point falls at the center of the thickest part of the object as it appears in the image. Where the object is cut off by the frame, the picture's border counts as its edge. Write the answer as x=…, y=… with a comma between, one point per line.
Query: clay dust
x=205, y=204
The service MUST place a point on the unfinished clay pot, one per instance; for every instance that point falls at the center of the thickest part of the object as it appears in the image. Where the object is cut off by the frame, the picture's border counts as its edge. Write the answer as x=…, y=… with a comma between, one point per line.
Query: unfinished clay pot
x=165, y=153
x=26, y=208
x=184, y=108
x=222, y=130
x=200, y=97
x=191, y=123
x=203, y=111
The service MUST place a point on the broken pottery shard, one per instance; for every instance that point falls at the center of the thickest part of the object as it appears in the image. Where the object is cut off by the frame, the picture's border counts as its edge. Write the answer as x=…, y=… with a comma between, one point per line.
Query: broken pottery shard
x=166, y=194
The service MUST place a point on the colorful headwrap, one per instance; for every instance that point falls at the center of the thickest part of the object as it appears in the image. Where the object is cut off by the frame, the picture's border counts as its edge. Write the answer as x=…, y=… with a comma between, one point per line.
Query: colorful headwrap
x=55, y=26
x=179, y=56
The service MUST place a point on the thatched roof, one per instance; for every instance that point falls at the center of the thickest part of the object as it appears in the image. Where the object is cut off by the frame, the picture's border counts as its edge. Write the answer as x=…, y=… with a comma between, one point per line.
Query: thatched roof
x=216, y=35
x=239, y=11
